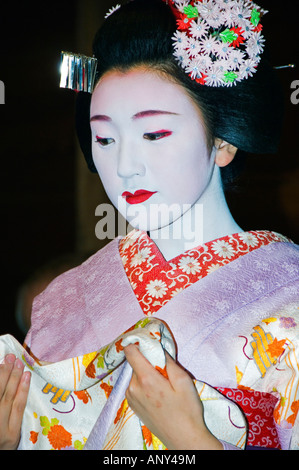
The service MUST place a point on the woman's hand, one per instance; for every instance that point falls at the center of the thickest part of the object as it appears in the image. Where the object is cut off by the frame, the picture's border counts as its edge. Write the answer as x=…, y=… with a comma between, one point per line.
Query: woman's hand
x=169, y=407
x=14, y=388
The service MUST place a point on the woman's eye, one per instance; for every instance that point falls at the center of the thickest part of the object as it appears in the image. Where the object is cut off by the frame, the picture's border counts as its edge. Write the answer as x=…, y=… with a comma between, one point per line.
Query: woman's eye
x=104, y=141
x=156, y=135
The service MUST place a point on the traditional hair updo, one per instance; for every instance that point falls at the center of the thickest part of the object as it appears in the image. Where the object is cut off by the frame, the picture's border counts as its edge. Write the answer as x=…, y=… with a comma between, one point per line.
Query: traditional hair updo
x=247, y=115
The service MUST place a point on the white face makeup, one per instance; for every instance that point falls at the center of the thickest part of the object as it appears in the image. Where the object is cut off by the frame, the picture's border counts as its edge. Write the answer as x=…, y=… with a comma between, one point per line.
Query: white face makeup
x=149, y=147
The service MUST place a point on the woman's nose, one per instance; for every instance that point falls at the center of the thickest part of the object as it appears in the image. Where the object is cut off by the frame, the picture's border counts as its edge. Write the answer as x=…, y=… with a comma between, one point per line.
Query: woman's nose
x=130, y=162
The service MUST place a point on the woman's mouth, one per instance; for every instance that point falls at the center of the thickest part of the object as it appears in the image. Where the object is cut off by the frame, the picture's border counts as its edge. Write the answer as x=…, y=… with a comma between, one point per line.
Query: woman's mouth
x=138, y=197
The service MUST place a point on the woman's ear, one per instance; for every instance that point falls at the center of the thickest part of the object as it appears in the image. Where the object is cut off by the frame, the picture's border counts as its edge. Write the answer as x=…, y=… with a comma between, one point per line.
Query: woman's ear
x=225, y=152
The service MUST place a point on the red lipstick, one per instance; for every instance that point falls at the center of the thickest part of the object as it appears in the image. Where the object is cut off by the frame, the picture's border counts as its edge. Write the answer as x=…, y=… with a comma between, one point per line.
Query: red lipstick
x=138, y=197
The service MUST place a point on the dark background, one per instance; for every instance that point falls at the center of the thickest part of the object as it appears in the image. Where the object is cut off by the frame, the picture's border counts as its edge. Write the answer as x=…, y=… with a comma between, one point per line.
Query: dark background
x=37, y=143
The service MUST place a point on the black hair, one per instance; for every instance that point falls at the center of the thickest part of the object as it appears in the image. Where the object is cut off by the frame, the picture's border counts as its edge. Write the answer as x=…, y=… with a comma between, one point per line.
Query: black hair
x=247, y=115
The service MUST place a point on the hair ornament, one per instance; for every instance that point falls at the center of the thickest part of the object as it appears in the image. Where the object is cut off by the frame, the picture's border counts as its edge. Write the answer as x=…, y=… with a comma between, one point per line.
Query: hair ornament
x=112, y=10
x=218, y=42
x=287, y=66
x=77, y=71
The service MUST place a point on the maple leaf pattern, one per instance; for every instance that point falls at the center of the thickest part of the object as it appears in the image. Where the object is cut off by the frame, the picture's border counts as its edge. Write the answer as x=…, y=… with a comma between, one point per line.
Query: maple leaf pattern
x=83, y=395
x=295, y=408
x=33, y=437
x=147, y=436
x=91, y=370
x=275, y=349
x=121, y=411
x=107, y=389
x=118, y=346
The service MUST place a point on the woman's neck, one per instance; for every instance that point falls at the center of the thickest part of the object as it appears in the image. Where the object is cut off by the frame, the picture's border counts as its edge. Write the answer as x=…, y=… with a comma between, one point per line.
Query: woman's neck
x=208, y=219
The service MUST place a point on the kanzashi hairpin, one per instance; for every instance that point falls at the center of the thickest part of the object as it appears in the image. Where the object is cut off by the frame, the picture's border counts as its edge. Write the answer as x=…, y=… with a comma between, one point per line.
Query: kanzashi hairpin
x=218, y=42
x=77, y=72
x=287, y=66
x=112, y=10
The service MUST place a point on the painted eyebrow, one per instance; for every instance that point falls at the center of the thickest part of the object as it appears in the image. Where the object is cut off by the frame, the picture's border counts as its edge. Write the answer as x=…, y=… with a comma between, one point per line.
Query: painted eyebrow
x=141, y=114
x=151, y=112
x=100, y=117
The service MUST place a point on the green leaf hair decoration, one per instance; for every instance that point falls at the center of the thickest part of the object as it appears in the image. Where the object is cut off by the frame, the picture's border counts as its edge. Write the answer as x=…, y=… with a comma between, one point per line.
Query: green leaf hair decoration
x=228, y=35
x=191, y=11
x=229, y=77
x=255, y=17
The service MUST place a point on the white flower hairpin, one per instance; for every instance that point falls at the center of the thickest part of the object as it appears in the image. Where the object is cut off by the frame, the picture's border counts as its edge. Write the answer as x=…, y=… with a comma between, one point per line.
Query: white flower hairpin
x=112, y=10
x=218, y=42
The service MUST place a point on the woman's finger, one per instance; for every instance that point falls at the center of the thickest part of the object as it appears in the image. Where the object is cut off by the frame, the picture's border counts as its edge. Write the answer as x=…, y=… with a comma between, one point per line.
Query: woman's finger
x=5, y=371
x=137, y=361
x=177, y=375
x=19, y=403
x=10, y=378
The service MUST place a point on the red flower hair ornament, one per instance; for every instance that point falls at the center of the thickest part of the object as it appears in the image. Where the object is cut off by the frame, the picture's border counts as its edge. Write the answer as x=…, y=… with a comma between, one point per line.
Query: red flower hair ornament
x=218, y=42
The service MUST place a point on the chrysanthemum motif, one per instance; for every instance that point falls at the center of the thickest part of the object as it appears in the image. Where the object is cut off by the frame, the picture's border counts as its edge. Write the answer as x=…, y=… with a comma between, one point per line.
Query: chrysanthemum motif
x=193, y=47
x=129, y=240
x=236, y=58
x=248, y=68
x=182, y=57
x=180, y=39
x=112, y=10
x=226, y=4
x=189, y=265
x=140, y=257
x=177, y=291
x=213, y=267
x=194, y=69
x=156, y=288
x=198, y=28
x=255, y=44
x=208, y=45
x=249, y=238
x=247, y=30
x=203, y=63
x=181, y=4
x=223, y=50
x=214, y=76
x=210, y=12
x=223, y=249
x=241, y=15
x=124, y=259
x=226, y=32
x=228, y=18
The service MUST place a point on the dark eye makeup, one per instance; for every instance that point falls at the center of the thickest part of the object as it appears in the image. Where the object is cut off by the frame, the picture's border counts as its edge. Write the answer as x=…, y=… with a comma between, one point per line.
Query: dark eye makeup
x=152, y=136
x=104, y=141
x=157, y=135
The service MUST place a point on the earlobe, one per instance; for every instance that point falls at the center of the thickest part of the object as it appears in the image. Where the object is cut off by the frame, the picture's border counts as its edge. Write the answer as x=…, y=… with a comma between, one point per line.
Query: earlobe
x=225, y=152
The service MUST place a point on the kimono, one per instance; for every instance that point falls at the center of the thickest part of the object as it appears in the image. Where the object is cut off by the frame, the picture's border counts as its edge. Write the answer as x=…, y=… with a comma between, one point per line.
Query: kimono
x=230, y=308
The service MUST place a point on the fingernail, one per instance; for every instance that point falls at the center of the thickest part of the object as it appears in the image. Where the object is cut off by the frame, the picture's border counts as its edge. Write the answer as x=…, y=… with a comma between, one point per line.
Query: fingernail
x=18, y=364
x=10, y=359
x=26, y=377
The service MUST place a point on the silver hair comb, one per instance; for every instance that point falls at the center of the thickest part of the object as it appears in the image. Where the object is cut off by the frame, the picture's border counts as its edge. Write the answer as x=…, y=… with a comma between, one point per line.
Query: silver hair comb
x=78, y=72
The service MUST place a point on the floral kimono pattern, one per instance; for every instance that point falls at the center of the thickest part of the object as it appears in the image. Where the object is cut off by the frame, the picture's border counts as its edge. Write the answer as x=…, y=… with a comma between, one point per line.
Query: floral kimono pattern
x=231, y=306
x=66, y=398
x=156, y=281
